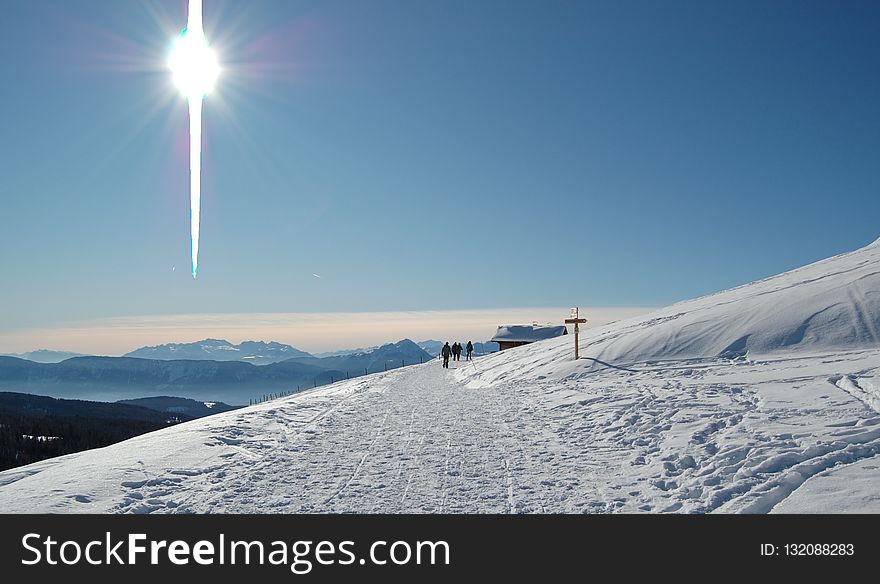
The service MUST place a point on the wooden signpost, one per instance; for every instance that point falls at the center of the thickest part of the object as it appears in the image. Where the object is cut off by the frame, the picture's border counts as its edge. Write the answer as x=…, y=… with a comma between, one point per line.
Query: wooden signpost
x=575, y=321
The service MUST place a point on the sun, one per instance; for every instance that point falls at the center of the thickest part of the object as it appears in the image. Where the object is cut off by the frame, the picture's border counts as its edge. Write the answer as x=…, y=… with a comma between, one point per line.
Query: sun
x=193, y=64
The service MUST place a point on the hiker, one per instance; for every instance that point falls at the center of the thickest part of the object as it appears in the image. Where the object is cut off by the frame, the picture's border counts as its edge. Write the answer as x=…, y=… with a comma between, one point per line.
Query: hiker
x=445, y=352
x=456, y=351
x=470, y=350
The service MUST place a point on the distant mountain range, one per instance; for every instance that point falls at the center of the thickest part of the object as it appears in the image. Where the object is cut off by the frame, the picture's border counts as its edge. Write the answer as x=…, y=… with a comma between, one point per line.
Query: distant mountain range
x=256, y=352
x=388, y=356
x=342, y=352
x=431, y=347
x=44, y=355
x=231, y=381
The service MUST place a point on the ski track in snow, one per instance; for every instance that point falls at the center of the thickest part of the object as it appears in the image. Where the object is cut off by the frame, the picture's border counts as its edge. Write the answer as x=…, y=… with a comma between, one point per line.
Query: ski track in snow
x=710, y=436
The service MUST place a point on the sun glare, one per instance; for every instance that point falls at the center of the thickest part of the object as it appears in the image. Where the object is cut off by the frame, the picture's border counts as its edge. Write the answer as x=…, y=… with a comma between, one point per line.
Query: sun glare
x=193, y=64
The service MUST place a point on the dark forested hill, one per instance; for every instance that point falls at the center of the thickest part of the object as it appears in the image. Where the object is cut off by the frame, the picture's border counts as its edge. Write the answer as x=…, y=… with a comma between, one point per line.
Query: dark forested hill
x=34, y=427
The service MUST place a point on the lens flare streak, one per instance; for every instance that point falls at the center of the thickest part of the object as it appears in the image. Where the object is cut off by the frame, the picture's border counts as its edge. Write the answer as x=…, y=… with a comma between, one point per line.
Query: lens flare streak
x=195, y=69
x=195, y=178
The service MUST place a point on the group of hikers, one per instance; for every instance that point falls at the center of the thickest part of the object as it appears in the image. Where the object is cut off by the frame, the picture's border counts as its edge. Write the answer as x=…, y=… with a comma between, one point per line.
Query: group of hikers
x=454, y=351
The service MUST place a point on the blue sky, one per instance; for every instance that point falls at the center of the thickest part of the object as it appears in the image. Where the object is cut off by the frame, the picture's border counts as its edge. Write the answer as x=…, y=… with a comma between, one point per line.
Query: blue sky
x=431, y=155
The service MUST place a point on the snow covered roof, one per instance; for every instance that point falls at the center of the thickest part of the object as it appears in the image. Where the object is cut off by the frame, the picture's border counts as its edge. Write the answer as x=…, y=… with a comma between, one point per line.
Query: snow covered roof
x=527, y=333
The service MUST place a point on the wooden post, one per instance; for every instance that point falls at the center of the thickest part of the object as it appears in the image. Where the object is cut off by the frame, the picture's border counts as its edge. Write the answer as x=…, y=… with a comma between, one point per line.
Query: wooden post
x=575, y=321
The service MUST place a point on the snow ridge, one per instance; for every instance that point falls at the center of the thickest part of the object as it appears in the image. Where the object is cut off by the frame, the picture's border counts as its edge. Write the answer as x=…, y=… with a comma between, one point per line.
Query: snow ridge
x=833, y=304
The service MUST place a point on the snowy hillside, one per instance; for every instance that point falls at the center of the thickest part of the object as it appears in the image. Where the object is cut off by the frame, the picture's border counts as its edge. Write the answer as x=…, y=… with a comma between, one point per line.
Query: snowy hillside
x=828, y=305
x=763, y=398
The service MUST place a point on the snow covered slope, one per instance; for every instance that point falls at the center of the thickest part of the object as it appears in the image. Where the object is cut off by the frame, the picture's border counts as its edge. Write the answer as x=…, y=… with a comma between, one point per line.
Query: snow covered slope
x=759, y=399
x=828, y=305
x=831, y=305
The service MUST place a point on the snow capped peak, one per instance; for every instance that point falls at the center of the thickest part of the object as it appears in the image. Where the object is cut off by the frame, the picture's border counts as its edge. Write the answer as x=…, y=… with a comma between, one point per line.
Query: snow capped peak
x=271, y=345
x=257, y=352
x=219, y=343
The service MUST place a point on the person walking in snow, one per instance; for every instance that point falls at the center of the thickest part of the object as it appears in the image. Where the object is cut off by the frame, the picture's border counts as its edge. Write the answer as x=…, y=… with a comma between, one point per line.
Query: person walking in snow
x=445, y=352
x=470, y=351
x=456, y=351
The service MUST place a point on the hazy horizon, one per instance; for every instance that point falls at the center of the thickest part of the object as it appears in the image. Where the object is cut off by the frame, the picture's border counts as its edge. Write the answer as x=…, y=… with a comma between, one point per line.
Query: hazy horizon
x=311, y=332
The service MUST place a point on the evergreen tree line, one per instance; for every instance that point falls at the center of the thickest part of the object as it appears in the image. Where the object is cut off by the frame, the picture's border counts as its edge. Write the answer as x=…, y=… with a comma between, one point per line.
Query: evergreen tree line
x=19, y=443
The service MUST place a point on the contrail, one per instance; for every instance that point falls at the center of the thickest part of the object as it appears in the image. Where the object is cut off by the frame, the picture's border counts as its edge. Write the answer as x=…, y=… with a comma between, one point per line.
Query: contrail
x=195, y=69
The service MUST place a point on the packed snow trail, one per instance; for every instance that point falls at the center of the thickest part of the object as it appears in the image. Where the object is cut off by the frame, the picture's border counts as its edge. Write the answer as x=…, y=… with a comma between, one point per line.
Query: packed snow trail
x=417, y=441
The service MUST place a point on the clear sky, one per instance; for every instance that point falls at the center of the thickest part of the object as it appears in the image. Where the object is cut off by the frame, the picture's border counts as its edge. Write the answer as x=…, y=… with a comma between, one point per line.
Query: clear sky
x=429, y=155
